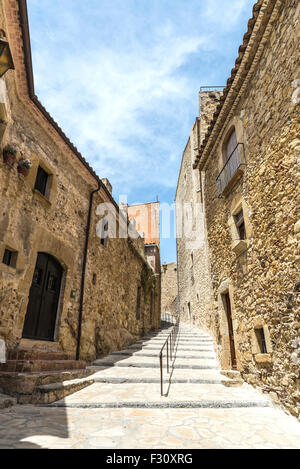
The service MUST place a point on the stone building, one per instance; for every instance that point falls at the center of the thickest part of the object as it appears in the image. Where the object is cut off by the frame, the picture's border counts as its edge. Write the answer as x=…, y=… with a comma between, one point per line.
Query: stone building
x=194, y=279
x=169, y=290
x=72, y=285
x=248, y=166
x=147, y=223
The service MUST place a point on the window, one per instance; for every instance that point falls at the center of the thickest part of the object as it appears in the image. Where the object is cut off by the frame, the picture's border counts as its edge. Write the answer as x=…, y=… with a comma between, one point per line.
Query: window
x=104, y=232
x=240, y=224
x=261, y=341
x=138, y=304
x=233, y=159
x=41, y=181
x=231, y=145
x=10, y=258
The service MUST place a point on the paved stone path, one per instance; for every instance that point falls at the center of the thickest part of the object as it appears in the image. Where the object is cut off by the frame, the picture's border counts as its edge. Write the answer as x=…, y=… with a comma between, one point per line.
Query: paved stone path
x=124, y=409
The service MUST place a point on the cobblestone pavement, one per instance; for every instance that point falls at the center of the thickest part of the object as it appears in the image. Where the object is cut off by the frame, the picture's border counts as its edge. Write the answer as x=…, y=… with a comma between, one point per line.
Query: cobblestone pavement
x=124, y=409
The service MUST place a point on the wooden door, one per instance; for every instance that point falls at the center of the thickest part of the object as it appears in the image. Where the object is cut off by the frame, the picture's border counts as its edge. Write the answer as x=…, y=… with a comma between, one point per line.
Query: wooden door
x=44, y=294
x=227, y=305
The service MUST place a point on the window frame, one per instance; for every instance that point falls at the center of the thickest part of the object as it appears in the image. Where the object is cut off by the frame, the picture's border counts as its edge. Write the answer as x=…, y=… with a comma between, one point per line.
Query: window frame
x=37, y=187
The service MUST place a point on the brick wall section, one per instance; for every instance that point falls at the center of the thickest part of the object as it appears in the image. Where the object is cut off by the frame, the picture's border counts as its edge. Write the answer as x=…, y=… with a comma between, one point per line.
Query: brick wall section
x=147, y=221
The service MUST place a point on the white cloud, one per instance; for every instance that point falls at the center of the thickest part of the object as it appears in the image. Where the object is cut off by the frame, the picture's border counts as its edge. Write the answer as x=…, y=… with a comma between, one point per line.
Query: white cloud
x=128, y=106
x=109, y=98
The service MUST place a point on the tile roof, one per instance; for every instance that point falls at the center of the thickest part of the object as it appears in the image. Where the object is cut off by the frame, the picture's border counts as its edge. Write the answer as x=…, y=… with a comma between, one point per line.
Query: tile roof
x=251, y=23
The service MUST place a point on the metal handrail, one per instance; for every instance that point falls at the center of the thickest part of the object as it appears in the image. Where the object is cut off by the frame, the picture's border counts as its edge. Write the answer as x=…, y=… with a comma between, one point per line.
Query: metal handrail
x=170, y=346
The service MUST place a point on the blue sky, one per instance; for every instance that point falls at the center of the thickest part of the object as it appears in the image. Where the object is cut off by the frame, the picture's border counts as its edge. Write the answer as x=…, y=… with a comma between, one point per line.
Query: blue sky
x=122, y=77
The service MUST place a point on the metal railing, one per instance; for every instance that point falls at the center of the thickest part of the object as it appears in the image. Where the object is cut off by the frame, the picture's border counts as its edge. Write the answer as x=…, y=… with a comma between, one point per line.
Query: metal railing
x=169, y=346
x=212, y=88
x=168, y=317
x=233, y=164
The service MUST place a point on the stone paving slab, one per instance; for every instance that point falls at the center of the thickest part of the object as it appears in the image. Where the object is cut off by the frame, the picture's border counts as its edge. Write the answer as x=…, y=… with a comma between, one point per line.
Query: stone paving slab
x=124, y=360
x=154, y=373
x=7, y=401
x=117, y=414
x=58, y=428
x=210, y=394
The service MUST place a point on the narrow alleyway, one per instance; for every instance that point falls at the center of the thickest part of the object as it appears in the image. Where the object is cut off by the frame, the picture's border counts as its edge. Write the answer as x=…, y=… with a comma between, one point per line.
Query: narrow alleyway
x=201, y=407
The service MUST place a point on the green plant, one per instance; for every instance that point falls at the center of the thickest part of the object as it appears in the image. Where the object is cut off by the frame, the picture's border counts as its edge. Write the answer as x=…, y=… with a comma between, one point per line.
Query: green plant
x=147, y=281
x=25, y=162
x=9, y=149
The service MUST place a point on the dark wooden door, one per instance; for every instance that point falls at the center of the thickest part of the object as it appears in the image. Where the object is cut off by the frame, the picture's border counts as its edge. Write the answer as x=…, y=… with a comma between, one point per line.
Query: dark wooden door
x=227, y=305
x=43, y=299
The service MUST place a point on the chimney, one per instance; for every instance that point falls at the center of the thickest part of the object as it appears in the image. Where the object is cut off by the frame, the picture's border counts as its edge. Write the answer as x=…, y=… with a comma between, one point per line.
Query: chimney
x=107, y=185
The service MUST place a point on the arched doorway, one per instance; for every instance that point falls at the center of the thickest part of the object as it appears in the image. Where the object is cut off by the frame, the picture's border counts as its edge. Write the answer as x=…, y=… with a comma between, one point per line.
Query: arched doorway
x=44, y=294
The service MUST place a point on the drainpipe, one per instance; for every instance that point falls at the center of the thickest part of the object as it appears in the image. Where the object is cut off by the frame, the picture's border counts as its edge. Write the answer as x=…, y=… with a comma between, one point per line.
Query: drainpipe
x=85, y=252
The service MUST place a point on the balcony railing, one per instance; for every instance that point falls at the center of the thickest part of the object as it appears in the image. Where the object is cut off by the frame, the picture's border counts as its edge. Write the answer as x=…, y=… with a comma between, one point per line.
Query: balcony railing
x=212, y=88
x=232, y=168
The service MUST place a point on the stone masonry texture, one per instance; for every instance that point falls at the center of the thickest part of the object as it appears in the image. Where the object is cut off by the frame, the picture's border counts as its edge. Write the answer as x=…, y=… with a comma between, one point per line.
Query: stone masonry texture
x=56, y=224
x=260, y=274
x=169, y=289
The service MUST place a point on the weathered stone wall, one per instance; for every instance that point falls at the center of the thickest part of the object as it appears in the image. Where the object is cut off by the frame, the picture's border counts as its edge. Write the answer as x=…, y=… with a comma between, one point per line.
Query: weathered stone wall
x=263, y=280
x=56, y=224
x=169, y=289
x=195, y=286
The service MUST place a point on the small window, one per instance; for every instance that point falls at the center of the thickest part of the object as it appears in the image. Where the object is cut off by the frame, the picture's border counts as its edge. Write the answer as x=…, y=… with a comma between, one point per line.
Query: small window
x=138, y=304
x=240, y=224
x=104, y=232
x=260, y=337
x=41, y=181
x=94, y=281
x=10, y=258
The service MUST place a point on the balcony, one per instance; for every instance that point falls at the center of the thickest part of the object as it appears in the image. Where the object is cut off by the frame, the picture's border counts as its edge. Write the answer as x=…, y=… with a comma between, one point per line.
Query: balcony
x=232, y=170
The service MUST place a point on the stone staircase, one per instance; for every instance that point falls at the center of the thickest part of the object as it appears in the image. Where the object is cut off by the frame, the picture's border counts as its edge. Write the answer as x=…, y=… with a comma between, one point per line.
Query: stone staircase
x=34, y=377
x=131, y=378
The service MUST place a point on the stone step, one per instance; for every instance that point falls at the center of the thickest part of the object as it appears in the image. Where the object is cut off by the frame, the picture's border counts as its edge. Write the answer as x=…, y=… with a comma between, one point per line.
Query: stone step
x=141, y=359
x=48, y=393
x=154, y=373
x=181, y=349
x=148, y=394
x=7, y=401
x=156, y=355
x=201, y=404
x=30, y=366
x=232, y=374
x=158, y=339
x=103, y=363
x=114, y=380
x=17, y=384
x=38, y=355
